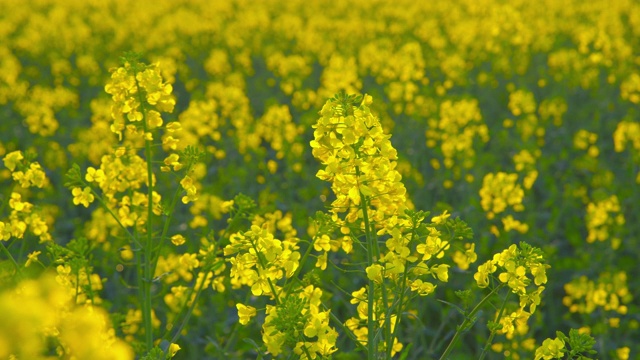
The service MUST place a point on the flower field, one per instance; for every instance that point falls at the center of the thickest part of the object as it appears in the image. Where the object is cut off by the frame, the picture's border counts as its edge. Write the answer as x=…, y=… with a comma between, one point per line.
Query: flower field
x=319, y=179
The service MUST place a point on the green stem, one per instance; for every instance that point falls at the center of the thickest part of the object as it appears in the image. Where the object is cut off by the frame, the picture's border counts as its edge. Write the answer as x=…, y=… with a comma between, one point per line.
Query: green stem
x=303, y=260
x=467, y=321
x=403, y=288
x=134, y=240
x=347, y=331
x=262, y=263
x=371, y=346
x=493, y=332
x=10, y=257
x=187, y=308
x=165, y=230
x=148, y=246
x=191, y=306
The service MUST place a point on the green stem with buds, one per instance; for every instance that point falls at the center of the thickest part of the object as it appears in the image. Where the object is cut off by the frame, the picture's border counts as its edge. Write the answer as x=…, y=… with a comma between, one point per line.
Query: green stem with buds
x=468, y=320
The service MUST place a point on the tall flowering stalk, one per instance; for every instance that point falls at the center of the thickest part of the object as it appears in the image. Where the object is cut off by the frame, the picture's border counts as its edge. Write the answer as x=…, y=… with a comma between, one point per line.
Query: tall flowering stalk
x=125, y=182
x=360, y=162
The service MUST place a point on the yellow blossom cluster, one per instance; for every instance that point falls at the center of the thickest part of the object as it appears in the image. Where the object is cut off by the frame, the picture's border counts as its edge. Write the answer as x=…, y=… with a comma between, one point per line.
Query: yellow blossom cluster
x=200, y=125
x=42, y=314
x=522, y=269
x=260, y=260
x=357, y=324
x=297, y=322
x=83, y=286
x=359, y=161
x=550, y=349
x=500, y=191
x=277, y=128
x=627, y=133
x=525, y=162
x=131, y=324
x=24, y=215
x=243, y=85
x=603, y=220
x=297, y=315
x=454, y=131
x=39, y=107
x=609, y=292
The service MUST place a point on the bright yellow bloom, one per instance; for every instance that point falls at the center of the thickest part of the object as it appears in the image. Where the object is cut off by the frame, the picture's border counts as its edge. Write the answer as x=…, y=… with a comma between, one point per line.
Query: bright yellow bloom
x=550, y=349
x=482, y=275
x=32, y=257
x=12, y=159
x=173, y=349
x=95, y=175
x=245, y=313
x=82, y=196
x=178, y=239
x=623, y=353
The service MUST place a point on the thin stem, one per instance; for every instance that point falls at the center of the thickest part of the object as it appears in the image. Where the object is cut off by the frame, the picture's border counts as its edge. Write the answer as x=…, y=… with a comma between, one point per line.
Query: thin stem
x=187, y=307
x=147, y=248
x=371, y=346
x=303, y=260
x=493, y=332
x=399, y=304
x=467, y=321
x=165, y=229
x=347, y=331
x=10, y=257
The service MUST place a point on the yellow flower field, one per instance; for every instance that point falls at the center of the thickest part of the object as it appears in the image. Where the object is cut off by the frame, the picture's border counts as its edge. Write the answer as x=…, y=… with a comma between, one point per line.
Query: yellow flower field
x=319, y=179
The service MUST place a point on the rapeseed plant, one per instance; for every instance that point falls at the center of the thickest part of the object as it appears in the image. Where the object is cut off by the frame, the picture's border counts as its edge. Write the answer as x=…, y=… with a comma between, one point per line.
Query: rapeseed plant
x=546, y=94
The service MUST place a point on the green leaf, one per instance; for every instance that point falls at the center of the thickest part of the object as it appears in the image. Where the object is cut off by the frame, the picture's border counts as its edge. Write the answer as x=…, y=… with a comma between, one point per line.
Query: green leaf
x=154, y=354
x=73, y=177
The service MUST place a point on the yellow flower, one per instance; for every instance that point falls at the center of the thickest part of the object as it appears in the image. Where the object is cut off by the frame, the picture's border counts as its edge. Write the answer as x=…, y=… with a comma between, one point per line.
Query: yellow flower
x=173, y=349
x=322, y=243
x=82, y=196
x=95, y=175
x=12, y=159
x=482, y=275
x=178, y=240
x=32, y=257
x=623, y=353
x=245, y=313
x=550, y=349
x=374, y=272
x=441, y=218
x=441, y=272
x=322, y=261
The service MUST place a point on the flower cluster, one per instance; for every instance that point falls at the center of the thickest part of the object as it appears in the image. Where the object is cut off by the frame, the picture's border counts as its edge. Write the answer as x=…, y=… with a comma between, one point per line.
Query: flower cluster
x=609, y=292
x=138, y=94
x=359, y=161
x=628, y=132
x=24, y=215
x=603, y=220
x=458, y=125
x=358, y=324
x=499, y=192
x=522, y=269
x=42, y=313
x=260, y=260
x=297, y=322
x=577, y=346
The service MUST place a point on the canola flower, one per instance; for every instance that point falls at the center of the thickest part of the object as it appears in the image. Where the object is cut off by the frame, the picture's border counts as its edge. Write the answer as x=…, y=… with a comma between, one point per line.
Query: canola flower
x=42, y=314
x=360, y=162
x=561, y=67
